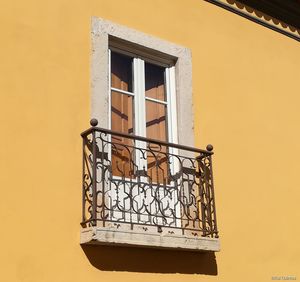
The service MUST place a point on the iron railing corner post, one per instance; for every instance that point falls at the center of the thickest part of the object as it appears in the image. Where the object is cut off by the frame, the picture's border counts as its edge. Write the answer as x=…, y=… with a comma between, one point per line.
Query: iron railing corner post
x=202, y=208
x=215, y=230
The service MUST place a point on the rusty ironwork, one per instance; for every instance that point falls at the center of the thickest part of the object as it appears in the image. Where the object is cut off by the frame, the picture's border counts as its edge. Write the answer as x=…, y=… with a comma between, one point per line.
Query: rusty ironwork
x=146, y=184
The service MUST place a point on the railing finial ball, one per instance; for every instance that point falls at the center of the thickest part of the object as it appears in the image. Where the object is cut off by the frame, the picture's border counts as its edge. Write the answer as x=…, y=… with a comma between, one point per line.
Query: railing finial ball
x=209, y=147
x=93, y=122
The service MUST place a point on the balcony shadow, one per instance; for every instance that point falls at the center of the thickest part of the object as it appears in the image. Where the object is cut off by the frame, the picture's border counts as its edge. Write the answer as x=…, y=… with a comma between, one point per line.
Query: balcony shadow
x=136, y=259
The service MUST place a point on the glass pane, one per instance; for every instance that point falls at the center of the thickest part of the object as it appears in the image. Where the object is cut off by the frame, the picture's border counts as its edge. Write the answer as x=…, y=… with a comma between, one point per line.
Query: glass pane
x=156, y=120
x=155, y=82
x=156, y=128
x=122, y=121
x=121, y=112
x=121, y=72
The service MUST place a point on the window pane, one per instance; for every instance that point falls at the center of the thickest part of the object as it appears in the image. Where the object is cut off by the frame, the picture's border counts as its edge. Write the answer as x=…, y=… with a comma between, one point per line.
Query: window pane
x=156, y=127
x=121, y=112
x=155, y=82
x=121, y=72
x=122, y=121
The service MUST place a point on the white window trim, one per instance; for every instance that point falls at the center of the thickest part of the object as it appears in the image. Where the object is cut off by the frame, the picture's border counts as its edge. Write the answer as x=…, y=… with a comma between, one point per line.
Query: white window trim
x=162, y=51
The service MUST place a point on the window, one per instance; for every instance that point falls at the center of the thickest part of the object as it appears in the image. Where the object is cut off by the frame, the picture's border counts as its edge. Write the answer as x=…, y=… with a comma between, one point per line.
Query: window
x=142, y=102
x=134, y=45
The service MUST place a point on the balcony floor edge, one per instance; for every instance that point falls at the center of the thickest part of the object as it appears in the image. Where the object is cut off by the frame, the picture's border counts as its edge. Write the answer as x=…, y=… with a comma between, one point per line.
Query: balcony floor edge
x=112, y=236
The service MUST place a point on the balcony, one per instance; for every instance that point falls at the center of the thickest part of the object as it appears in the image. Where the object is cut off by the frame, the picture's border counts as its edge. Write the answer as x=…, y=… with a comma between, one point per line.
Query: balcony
x=143, y=192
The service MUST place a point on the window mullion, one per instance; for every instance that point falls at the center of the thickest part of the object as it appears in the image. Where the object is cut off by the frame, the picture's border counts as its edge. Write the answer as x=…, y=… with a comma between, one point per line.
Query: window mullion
x=172, y=114
x=140, y=112
x=172, y=132
x=172, y=109
x=109, y=105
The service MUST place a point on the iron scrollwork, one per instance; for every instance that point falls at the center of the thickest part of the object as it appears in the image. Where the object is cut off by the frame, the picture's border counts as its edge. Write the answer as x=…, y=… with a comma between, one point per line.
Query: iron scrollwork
x=138, y=182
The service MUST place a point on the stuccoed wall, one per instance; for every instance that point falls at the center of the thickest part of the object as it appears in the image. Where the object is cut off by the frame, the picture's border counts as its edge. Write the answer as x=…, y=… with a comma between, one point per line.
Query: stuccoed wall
x=246, y=103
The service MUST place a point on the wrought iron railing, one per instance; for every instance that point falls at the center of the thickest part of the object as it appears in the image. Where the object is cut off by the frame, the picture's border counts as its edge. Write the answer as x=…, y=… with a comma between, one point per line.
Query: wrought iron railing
x=140, y=183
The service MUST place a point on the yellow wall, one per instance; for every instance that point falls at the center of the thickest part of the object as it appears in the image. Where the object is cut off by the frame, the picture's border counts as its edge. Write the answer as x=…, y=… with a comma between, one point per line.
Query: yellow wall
x=246, y=102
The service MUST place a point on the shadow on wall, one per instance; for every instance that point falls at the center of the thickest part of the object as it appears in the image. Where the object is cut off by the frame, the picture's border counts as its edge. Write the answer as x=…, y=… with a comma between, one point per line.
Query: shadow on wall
x=134, y=259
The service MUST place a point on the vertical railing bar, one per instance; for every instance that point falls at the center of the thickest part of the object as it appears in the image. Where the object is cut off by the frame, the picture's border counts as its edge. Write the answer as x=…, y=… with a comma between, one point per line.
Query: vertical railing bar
x=131, y=171
x=213, y=198
x=94, y=182
x=183, y=206
x=102, y=181
x=202, y=195
x=208, y=189
x=208, y=198
x=198, y=203
x=83, y=179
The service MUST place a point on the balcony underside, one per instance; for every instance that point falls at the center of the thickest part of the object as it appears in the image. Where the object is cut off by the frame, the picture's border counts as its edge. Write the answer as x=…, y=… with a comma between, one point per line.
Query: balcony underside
x=113, y=236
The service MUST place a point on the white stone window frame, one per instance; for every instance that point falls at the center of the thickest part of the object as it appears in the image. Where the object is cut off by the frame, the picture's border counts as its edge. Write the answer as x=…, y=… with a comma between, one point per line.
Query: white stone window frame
x=103, y=33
